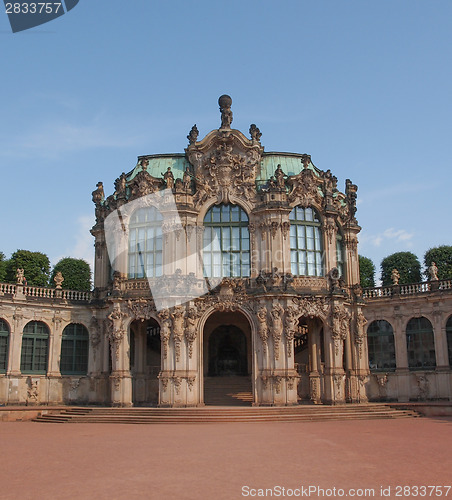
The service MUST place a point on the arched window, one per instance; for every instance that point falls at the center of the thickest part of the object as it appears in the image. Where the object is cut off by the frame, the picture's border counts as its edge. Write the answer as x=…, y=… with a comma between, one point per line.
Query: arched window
x=340, y=254
x=35, y=348
x=145, y=243
x=306, y=252
x=4, y=336
x=74, y=350
x=226, y=242
x=420, y=344
x=449, y=339
x=380, y=341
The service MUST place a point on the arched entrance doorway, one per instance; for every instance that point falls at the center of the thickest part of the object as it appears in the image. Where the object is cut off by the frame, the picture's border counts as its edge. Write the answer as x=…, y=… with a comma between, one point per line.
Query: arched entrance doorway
x=145, y=361
x=309, y=358
x=227, y=360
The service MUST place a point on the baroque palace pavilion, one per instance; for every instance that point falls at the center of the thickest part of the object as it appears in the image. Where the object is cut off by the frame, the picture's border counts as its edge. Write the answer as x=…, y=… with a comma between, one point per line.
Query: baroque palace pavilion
x=225, y=267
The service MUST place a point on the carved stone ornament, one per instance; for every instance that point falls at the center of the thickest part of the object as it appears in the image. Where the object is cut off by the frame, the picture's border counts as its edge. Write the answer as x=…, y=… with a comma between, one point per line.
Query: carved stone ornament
x=165, y=330
x=116, y=329
x=178, y=329
x=144, y=183
x=305, y=188
x=311, y=307
x=190, y=329
x=141, y=309
x=225, y=164
x=290, y=327
x=193, y=135
x=314, y=384
x=360, y=333
x=94, y=331
x=423, y=385
x=225, y=103
x=340, y=325
x=276, y=326
x=262, y=328
x=20, y=277
x=32, y=391
x=255, y=133
x=58, y=279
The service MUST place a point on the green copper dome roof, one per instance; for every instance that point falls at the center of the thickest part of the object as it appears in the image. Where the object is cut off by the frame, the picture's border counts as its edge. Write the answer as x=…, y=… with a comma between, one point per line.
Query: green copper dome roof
x=158, y=165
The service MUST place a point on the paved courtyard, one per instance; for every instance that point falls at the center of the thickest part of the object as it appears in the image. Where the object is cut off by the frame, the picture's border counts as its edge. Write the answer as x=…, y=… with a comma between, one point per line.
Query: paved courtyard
x=224, y=461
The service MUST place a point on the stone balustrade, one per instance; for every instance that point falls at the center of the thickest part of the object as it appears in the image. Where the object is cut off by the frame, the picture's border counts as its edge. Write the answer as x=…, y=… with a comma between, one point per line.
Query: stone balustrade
x=44, y=292
x=408, y=289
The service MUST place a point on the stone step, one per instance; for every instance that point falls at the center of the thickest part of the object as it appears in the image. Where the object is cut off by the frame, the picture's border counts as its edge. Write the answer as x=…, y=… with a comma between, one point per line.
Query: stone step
x=223, y=414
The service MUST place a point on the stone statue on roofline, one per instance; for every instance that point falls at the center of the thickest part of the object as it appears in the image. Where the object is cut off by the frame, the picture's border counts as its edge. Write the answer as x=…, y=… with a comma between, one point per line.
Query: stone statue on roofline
x=255, y=133
x=225, y=103
x=20, y=277
x=395, y=276
x=193, y=135
x=98, y=194
x=433, y=272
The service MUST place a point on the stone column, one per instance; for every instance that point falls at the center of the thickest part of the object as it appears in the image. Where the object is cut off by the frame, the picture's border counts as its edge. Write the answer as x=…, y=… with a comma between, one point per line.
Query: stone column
x=120, y=378
x=334, y=371
x=314, y=376
x=402, y=370
x=14, y=354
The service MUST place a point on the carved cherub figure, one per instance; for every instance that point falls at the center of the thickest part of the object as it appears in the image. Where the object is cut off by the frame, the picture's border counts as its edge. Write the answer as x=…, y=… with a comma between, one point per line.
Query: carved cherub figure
x=395, y=276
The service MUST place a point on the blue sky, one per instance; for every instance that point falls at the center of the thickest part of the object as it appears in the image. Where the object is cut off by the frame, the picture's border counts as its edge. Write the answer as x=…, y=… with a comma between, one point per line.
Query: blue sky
x=363, y=87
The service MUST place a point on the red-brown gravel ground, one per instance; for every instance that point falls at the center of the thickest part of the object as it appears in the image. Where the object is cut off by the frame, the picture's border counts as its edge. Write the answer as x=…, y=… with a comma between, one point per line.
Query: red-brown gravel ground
x=214, y=461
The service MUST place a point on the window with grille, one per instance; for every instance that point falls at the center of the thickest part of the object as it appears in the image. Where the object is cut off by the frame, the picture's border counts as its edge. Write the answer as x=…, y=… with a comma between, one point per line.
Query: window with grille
x=145, y=243
x=74, y=350
x=35, y=348
x=306, y=248
x=420, y=344
x=4, y=337
x=380, y=341
x=226, y=250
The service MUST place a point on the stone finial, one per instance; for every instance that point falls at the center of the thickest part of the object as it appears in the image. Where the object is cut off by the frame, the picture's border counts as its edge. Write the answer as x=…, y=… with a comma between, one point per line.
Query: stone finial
x=193, y=135
x=255, y=133
x=225, y=103
x=58, y=279
x=395, y=276
x=20, y=277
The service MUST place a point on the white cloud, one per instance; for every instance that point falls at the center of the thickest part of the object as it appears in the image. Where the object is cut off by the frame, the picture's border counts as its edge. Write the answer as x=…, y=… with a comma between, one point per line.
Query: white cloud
x=82, y=245
x=389, y=235
x=52, y=140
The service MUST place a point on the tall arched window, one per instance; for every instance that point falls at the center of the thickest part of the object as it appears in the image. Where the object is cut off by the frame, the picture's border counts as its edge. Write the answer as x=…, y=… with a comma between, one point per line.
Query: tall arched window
x=380, y=341
x=74, y=350
x=226, y=242
x=4, y=336
x=449, y=339
x=420, y=344
x=35, y=348
x=145, y=243
x=306, y=250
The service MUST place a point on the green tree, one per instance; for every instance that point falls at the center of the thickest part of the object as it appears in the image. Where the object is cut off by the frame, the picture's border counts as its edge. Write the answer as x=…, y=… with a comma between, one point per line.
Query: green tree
x=3, y=262
x=406, y=263
x=366, y=272
x=442, y=257
x=36, y=266
x=76, y=274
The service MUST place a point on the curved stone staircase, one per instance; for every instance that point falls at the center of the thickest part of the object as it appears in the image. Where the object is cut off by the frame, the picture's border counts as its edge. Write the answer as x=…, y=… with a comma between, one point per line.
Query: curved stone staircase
x=215, y=414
